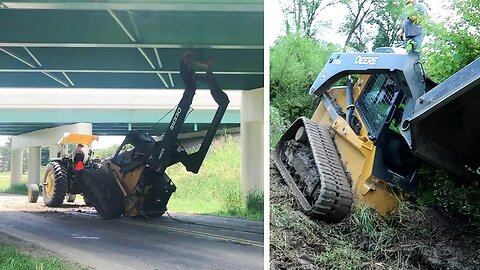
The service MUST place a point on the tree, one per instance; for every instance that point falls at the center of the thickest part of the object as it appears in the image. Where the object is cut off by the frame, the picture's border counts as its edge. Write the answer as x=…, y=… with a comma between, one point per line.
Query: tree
x=354, y=26
x=301, y=14
x=455, y=42
x=44, y=156
x=5, y=155
x=106, y=152
x=387, y=17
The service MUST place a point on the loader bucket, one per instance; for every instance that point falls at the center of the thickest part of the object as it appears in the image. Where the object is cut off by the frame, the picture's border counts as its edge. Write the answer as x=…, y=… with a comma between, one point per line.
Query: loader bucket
x=445, y=129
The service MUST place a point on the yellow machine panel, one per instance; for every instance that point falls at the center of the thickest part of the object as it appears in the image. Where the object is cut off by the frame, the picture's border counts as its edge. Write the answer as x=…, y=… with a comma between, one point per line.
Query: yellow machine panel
x=357, y=154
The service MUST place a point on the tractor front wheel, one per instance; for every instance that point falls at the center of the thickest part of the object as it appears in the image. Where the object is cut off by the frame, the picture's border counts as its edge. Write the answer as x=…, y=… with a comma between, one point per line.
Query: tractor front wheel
x=55, y=184
x=32, y=193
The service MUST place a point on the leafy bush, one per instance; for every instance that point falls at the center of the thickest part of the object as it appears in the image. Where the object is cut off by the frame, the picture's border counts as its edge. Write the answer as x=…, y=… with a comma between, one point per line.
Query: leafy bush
x=255, y=201
x=438, y=188
x=455, y=42
x=277, y=126
x=295, y=62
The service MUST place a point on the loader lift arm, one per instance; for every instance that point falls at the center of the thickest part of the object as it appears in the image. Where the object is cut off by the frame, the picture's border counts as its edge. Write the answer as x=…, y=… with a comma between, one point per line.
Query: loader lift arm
x=159, y=155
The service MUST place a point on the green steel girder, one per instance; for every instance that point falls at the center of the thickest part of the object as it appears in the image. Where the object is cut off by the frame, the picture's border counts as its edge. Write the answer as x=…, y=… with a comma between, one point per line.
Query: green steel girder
x=118, y=44
x=124, y=44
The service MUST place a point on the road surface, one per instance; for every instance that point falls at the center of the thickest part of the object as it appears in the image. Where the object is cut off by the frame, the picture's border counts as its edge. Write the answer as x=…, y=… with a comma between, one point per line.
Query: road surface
x=178, y=242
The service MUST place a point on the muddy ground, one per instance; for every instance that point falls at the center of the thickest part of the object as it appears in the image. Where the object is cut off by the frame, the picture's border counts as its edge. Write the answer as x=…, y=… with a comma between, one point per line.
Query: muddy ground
x=414, y=237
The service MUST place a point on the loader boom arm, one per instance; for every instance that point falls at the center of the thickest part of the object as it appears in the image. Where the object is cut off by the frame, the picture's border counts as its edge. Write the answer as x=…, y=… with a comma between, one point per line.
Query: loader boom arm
x=159, y=155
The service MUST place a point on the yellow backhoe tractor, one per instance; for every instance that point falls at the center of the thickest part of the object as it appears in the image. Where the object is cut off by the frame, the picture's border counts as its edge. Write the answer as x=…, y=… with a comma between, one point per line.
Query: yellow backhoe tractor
x=363, y=144
x=62, y=176
x=133, y=182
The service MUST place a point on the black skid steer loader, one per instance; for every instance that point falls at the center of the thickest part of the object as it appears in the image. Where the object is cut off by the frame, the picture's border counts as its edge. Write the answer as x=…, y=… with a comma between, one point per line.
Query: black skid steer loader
x=363, y=144
x=134, y=181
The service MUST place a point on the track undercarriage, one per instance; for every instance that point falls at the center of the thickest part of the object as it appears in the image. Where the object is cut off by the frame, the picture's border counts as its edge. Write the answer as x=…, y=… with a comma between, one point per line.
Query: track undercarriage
x=309, y=163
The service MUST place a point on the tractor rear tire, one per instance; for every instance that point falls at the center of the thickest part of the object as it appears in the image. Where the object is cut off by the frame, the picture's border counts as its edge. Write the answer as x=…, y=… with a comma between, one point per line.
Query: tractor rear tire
x=33, y=193
x=101, y=187
x=87, y=201
x=56, y=175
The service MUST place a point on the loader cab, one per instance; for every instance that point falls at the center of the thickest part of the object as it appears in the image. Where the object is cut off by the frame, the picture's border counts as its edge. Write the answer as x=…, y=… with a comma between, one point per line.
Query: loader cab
x=380, y=106
x=387, y=83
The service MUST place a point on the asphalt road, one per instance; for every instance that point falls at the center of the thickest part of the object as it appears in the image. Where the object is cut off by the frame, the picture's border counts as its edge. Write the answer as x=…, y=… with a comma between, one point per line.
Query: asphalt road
x=177, y=242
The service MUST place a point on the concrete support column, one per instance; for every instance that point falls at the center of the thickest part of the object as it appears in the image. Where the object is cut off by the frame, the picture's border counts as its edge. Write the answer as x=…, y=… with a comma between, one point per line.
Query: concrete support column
x=34, y=165
x=251, y=140
x=16, y=164
x=53, y=150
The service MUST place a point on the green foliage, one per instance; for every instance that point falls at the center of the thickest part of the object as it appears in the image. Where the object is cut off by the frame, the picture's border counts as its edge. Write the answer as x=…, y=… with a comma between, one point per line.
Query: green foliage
x=440, y=189
x=277, y=126
x=5, y=155
x=346, y=257
x=255, y=201
x=355, y=26
x=295, y=62
x=455, y=42
x=16, y=189
x=216, y=188
x=106, y=152
x=12, y=259
x=44, y=156
x=387, y=17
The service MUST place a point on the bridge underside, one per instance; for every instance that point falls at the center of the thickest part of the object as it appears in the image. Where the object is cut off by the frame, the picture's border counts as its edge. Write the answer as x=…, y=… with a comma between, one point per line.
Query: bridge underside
x=128, y=45
x=107, y=129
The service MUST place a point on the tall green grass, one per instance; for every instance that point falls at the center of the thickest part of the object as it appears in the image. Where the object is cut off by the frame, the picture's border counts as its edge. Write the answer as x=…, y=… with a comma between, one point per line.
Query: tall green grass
x=12, y=259
x=17, y=189
x=216, y=188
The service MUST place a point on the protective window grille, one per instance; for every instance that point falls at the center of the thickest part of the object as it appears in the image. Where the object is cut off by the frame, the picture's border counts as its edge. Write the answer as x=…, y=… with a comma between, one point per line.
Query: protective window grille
x=375, y=101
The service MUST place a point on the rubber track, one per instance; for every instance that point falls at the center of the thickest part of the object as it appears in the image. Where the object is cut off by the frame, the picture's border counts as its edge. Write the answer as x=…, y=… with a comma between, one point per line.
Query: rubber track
x=60, y=185
x=335, y=198
x=101, y=188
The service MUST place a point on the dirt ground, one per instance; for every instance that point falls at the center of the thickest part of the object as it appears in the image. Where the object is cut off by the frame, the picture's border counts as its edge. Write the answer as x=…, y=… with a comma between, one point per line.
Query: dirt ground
x=414, y=237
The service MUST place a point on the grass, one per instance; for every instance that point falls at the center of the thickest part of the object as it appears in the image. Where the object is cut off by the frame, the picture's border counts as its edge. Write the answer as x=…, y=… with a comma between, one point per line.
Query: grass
x=277, y=126
x=5, y=181
x=12, y=259
x=20, y=189
x=414, y=236
x=216, y=188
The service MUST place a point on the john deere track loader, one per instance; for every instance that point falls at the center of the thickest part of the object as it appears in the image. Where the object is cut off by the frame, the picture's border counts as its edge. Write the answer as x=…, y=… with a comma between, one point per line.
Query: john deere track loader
x=363, y=144
x=134, y=181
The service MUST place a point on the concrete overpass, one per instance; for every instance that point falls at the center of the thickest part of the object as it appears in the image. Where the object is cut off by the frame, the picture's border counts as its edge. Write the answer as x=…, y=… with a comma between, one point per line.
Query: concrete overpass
x=67, y=60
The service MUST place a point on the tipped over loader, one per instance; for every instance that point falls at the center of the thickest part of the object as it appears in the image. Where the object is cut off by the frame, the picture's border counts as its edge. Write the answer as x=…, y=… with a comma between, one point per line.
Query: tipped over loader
x=363, y=144
x=134, y=181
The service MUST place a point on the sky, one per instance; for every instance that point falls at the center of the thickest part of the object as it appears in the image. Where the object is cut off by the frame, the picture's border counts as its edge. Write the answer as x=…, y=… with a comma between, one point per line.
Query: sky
x=335, y=15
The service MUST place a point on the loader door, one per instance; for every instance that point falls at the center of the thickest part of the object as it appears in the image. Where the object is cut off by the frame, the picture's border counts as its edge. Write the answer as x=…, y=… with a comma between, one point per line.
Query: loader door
x=380, y=107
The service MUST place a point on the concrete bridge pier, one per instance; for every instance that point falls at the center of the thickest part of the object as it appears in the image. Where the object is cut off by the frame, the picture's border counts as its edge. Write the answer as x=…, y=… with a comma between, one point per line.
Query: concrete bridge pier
x=33, y=165
x=16, y=166
x=251, y=140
